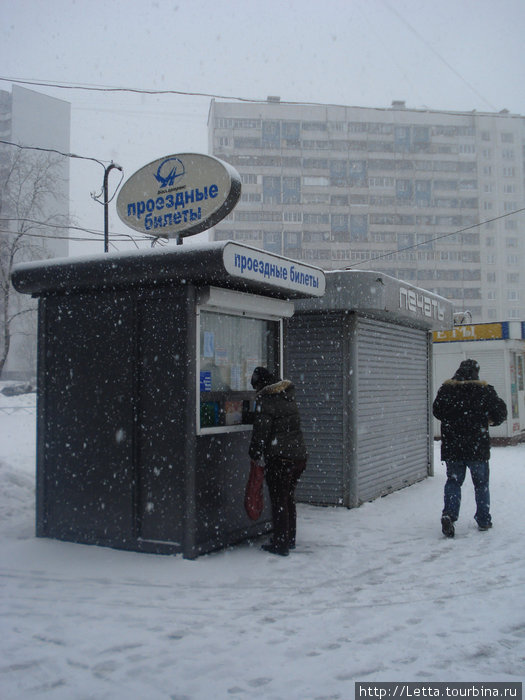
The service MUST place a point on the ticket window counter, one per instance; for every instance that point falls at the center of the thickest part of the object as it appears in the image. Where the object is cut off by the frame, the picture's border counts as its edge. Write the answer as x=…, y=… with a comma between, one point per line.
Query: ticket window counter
x=236, y=332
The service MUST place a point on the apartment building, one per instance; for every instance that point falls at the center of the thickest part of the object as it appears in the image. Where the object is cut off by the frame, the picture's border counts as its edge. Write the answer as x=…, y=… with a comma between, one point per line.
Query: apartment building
x=424, y=196
x=34, y=120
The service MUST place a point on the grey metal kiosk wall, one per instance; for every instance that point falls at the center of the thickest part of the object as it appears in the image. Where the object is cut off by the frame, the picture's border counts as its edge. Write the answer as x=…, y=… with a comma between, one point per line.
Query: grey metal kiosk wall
x=142, y=442
x=363, y=356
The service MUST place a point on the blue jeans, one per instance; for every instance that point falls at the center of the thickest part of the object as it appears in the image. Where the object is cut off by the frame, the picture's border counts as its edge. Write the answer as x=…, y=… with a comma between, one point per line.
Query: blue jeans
x=479, y=471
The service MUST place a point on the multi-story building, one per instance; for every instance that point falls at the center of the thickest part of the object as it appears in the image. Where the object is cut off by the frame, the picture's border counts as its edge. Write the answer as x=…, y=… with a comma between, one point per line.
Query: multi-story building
x=31, y=119
x=422, y=195
x=41, y=207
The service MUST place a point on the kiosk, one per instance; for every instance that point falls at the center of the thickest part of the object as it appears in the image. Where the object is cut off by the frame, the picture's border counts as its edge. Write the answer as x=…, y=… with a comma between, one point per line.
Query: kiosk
x=363, y=353
x=500, y=350
x=144, y=366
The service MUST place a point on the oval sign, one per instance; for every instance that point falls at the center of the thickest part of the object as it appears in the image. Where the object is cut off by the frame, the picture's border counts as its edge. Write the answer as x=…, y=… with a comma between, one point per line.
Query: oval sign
x=179, y=195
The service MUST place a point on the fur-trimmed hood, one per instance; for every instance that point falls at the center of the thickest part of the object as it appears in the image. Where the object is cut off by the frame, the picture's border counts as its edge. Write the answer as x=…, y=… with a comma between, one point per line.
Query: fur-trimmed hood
x=465, y=382
x=276, y=388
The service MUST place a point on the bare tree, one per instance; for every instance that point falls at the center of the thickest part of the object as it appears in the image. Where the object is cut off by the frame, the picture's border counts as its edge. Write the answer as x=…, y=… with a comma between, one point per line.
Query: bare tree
x=30, y=190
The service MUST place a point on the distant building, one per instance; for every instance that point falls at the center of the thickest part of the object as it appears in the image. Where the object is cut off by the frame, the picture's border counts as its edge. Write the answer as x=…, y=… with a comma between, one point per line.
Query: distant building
x=396, y=190
x=29, y=118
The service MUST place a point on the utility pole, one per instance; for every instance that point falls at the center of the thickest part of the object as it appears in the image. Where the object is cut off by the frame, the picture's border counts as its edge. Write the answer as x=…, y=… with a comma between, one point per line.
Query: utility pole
x=106, y=202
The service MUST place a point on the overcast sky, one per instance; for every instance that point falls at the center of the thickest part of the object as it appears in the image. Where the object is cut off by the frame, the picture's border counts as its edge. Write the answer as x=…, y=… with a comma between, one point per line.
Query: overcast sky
x=436, y=54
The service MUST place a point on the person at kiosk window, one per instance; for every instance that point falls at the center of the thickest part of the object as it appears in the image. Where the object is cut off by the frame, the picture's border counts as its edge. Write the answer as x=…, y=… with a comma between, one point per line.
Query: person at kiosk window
x=277, y=441
x=466, y=407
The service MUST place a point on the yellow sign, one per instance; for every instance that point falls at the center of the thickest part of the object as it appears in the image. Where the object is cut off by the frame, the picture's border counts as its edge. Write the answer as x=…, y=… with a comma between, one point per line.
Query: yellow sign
x=478, y=331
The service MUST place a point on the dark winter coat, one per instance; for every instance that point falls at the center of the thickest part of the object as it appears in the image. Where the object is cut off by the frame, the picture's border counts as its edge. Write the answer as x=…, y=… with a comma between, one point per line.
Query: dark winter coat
x=276, y=424
x=466, y=408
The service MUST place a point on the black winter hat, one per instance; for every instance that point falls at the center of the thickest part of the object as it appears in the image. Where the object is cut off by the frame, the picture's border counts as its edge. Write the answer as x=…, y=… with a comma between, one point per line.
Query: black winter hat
x=468, y=369
x=261, y=377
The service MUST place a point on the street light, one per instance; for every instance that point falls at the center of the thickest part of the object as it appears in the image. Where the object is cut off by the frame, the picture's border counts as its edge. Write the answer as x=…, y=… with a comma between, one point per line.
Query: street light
x=106, y=202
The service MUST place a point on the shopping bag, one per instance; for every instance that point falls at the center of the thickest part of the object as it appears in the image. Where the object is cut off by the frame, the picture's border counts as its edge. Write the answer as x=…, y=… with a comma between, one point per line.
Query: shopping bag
x=254, y=496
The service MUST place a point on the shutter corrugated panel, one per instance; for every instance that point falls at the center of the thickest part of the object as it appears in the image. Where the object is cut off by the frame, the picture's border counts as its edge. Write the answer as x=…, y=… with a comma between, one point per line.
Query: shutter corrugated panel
x=315, y=365
x=393, y=408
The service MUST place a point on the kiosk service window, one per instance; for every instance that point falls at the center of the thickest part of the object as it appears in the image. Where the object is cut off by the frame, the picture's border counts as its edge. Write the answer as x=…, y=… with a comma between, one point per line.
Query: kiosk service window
x=236, y=333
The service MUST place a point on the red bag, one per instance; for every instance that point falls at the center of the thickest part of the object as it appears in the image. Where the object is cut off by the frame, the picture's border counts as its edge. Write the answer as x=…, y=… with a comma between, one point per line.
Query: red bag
x=254, y=496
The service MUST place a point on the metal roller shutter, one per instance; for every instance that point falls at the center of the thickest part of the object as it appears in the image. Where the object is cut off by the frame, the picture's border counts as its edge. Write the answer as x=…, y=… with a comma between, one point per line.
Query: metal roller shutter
x=392, y=407
x=315, y=365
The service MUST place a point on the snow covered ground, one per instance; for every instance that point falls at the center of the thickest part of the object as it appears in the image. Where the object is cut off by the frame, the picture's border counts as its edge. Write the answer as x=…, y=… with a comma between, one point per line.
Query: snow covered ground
x=371, y=594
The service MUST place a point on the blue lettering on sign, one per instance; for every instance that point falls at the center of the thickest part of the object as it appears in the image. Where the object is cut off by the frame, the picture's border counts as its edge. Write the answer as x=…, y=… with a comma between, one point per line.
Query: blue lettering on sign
x=168, y=171
x=184, y=216
x=275, y=271
x=180, y=201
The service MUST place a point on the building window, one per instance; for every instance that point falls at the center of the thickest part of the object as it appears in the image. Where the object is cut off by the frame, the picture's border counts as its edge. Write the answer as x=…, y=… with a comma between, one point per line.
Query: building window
x=357, y=173
x=311, y=218
x=251, y=197
x=292, y=240
x=309, y=181
x=339, y=200
x=231, y=346
x=359, y=227
x=271, y=189
x=291, y=190
x=291, y=134
x=271, y=134
x=381, y=182
x=293, y=216
x=273, y=241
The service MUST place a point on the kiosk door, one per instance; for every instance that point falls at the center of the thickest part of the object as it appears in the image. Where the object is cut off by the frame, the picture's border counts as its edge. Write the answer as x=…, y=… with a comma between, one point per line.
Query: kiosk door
x=160, y=420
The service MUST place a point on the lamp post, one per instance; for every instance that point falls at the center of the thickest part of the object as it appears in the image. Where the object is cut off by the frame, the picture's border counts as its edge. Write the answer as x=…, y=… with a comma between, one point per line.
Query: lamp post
x=106, y=202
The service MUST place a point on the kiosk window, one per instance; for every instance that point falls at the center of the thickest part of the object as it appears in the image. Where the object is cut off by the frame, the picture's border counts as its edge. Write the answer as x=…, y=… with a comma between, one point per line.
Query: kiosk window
x=231, y=346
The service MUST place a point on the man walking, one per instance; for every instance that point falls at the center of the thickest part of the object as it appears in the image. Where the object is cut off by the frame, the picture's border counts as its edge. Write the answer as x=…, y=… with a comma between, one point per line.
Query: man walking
x=466, y=407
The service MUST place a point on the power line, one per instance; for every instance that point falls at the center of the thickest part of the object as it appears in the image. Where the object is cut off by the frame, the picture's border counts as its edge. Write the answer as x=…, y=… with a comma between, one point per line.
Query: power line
x=53, y=150
x=115, y=237
x=436, y=238
x=436, y=53
x=210, y=95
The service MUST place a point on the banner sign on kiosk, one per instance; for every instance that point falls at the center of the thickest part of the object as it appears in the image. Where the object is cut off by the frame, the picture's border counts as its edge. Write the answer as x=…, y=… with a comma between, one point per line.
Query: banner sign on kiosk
x=179, y=195
x=260, y=266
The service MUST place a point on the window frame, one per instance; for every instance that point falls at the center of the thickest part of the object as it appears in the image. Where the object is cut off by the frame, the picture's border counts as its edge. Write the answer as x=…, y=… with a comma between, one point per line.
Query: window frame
x=226, y=302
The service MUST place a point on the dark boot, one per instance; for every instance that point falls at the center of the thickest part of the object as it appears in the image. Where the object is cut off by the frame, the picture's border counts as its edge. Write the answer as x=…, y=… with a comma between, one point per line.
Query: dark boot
x=447, y=526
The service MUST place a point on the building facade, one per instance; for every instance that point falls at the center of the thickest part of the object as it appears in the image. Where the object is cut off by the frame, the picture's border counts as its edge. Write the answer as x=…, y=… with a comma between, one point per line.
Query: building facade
x=35, y=199
x=427, y=197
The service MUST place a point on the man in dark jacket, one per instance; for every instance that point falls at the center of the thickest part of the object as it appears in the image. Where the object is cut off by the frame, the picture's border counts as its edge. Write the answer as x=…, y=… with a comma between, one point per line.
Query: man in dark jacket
x=277, y=441
x=466, y=407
